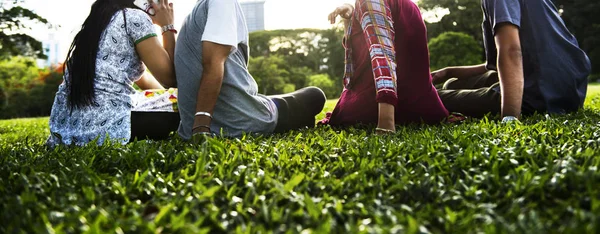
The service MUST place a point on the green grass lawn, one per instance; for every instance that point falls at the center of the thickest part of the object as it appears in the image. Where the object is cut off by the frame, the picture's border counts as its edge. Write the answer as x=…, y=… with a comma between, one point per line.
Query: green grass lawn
x=480, y=176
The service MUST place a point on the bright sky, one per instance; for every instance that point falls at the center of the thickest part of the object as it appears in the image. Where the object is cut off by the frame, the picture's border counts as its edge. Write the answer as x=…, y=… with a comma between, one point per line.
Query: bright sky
x=279, y=14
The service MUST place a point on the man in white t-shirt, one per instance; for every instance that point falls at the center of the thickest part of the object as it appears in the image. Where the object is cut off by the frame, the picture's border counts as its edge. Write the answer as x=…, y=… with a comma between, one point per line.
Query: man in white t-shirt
x=217, y=94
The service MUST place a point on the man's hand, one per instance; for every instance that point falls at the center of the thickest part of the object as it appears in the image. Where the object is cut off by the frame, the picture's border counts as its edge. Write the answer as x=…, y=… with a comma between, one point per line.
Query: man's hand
x=345, y=11
x=460, y=72
x=510, y=68
x=510, y=119
x=440, y=76
x=386, y=123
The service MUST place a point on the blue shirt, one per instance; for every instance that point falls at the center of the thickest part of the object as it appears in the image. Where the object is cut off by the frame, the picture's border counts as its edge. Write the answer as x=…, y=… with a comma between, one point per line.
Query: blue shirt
x=556, y=70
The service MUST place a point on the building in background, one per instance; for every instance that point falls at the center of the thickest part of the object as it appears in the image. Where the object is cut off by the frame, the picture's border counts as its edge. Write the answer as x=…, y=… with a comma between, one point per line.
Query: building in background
x=52, y=49
x=254, y=11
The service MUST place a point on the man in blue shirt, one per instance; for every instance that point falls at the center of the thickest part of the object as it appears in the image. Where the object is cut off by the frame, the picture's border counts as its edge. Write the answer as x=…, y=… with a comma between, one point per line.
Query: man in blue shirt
x=534, y=64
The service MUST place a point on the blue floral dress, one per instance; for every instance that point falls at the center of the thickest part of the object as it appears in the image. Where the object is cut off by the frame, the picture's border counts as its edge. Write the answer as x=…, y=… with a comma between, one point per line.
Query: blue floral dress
x=117, y=67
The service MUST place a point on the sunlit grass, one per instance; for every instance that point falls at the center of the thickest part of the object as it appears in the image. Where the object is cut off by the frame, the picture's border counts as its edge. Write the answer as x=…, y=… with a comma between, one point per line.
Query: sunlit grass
x=480, y=176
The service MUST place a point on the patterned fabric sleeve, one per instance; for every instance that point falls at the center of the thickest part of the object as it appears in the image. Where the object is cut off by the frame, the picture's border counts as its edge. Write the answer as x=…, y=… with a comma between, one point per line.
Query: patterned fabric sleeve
x=377, y=25
x=139, y=25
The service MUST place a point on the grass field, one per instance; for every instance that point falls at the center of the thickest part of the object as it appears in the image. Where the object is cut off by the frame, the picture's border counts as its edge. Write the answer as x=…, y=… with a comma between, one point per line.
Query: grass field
x=480, y=176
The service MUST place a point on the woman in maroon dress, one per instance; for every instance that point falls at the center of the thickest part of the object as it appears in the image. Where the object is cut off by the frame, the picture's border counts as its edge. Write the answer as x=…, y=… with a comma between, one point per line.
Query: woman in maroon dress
x=387, y=79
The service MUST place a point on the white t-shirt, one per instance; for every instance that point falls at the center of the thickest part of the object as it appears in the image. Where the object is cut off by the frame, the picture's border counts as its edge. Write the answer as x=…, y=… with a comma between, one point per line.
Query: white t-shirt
x=239, y=108
x=226, y=24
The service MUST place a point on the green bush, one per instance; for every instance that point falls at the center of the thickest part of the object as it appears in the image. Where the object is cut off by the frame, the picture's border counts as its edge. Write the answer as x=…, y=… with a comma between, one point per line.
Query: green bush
x=594, y=77
x=288, y=88
x=26, y=90
x=304, y=52
x=325, y=83
x=274, y=75
x=453, y=49
x=269, y=74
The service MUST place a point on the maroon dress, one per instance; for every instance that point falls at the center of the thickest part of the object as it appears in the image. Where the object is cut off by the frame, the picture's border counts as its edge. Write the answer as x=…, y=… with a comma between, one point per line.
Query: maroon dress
x=374, y=59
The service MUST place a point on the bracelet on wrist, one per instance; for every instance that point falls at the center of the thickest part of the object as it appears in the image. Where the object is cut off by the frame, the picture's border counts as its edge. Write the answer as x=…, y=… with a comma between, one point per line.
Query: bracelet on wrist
x=203, y=113
x=168, y=28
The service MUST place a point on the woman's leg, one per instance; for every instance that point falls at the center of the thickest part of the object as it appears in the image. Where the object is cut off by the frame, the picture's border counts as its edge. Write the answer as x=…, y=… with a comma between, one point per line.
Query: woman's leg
x=155, y=115
x=153, y=125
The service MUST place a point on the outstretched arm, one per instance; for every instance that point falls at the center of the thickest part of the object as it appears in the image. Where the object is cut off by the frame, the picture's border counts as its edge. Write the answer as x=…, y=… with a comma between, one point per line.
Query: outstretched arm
x=460, y=72
x=376, y=22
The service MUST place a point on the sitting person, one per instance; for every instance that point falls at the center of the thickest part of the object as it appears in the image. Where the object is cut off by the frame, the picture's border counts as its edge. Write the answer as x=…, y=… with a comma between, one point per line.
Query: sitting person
x=107, y=56
x=217, y=94
x=534, y=64
x=387, y=79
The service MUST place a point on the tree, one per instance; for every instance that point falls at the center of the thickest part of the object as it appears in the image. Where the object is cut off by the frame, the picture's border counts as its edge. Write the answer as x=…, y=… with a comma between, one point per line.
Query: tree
x=299, y=46
x=25, y=90
x=464, y=16
x=41, y=95
x=305, y=52
x=16, y=77
x=334, y=53
x=16, y=74
x=298, y=76
x=14, y=18
x=454, y=49
x=269, y=74
x=260, y=43
x=325, y=83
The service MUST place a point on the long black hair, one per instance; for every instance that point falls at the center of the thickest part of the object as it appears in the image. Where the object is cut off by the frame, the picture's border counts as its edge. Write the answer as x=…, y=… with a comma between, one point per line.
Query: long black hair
x=81, y=58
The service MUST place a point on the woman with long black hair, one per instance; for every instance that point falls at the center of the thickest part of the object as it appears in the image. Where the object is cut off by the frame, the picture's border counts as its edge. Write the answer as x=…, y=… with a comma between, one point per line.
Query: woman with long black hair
x=110, y=53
